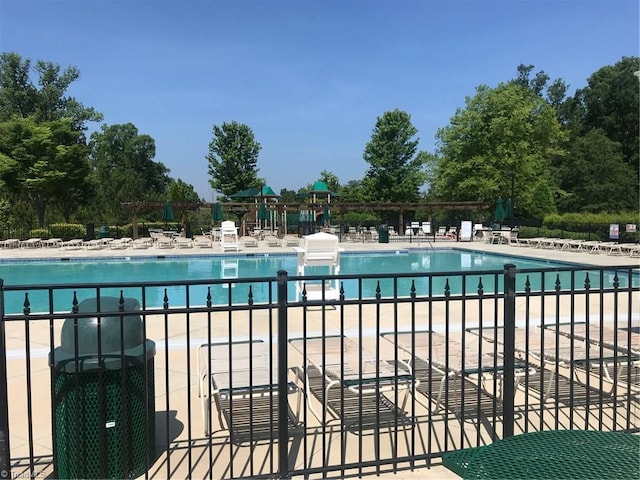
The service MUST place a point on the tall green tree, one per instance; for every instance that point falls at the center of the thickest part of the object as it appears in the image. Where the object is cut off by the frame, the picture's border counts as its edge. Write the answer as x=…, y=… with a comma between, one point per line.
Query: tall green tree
x=122, y=161
x=610, y=102
x=505, y=134
x=44, y=163
x=396, y=171
x=233, y=158
x=594, y=176
x=43, y=98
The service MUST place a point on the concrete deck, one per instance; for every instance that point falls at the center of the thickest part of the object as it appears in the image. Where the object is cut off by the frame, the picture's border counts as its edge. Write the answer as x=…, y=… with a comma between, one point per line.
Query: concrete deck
x=183, y=401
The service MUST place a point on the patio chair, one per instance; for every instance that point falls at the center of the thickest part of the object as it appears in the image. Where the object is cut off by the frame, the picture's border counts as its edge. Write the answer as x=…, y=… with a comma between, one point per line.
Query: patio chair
x=272, y=241
x=250, y=241
x=203, y=241
x=626, y=341
x=121, y=243
x=164, y=242
x=291, y=241
x=551, y=351
x=342, y=376
x=229, y=236
x=10, y=243
x=52, y=242
x=452, y=375
x=241, y=378
x=182, y=242
x=31, y=243
x=141, y=243
x=73, y=244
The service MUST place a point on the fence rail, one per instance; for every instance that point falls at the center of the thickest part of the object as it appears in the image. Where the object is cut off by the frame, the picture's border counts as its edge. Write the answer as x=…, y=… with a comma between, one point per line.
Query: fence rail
x=197, y=379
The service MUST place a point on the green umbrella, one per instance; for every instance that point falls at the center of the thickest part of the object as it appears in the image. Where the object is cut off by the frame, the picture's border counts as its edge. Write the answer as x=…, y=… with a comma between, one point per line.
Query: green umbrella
x=508, y=212
x=326, y=215
x=216, y=213
x=263, y=213
x=167, y=212
x=500, y=214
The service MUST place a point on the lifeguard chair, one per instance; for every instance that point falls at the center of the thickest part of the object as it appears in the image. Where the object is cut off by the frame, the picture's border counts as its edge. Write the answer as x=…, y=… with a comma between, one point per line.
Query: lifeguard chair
x=319, y=250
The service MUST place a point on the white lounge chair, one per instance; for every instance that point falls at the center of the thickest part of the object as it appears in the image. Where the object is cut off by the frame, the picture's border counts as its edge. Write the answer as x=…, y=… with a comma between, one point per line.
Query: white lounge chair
x=203, y=241
x=239, y=377
x=273, y=241
x=250, y=241
x=141, y=243
x=10, y=243
x=229, y=236
x=182, y=242
x=120, y=243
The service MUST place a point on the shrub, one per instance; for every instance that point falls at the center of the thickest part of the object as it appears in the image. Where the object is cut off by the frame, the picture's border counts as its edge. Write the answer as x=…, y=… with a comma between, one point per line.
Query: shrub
x=67, y=231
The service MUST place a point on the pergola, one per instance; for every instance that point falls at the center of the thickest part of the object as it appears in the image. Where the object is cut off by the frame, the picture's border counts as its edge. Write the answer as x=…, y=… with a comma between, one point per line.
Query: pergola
x=242, y=208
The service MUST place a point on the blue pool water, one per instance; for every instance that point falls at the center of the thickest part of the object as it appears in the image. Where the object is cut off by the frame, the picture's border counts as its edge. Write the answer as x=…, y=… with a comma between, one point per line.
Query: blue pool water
x=178, y=269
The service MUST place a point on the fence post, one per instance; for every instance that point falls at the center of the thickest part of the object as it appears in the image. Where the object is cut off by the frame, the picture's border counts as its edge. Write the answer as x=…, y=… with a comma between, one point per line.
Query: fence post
x=509, y=348
x=5, y=451
x=283, y=426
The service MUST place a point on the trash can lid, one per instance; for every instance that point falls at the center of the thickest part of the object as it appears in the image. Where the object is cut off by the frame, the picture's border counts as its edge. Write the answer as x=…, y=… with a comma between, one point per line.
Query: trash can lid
x=119, y=333
x=115, y=331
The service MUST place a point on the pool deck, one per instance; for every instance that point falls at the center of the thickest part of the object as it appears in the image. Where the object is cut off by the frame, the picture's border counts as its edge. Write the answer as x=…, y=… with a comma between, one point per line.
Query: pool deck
x=437, y=471
x=583, y=258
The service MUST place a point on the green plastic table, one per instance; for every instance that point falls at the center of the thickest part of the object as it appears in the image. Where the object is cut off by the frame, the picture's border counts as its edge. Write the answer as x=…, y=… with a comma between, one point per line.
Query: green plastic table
x=553, y=454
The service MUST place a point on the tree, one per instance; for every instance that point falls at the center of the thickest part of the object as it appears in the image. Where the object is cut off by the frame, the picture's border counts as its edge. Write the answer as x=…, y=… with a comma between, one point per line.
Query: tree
x=330, y=179
x=45, y=102
x=233, y=157
x=610, y=102
x=43, y=163
x=595, y=178
x=505, y=134
x=122, y=161
x=396, y=173
x=183, y=193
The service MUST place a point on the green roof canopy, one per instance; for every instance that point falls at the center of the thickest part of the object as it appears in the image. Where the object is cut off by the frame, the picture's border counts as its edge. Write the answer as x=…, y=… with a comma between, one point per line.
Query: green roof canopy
x=265, y=191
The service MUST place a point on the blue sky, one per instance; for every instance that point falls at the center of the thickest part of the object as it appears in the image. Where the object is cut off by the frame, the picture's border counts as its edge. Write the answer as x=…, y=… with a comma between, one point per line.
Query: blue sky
x=310, y=78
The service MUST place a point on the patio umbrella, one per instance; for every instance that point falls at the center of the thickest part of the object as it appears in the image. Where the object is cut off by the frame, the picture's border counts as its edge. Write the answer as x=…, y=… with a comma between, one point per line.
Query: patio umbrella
x=167, y=212
x=263, y=213
x=508, y=212
x=500, y=214
x=326, y=215
x=216, y=213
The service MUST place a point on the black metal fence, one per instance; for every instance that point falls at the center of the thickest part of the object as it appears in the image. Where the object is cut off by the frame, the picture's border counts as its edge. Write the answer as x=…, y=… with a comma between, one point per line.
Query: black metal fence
x=130, y=379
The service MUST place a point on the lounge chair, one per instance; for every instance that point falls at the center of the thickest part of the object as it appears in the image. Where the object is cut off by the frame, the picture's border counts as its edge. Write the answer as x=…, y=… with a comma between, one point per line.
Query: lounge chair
x=203, y=241
x=242, y=380
x=182, y=242
x=273, y=241
x=94, y=244
x=31, y=243
x=344, y=376
x=52, y=242
x=164, y=242
x=249, y=241
x=73, y=244
x=121, y=243
x=10, y=243
x=624, y=340
x=446, y=369
x=141, y=243
x=290, y=241
x=551, y=351
x=229, y=236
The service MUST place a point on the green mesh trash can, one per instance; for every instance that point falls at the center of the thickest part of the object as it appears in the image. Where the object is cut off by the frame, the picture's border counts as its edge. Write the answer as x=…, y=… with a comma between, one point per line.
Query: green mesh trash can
x=383, y=233
x=104, y=403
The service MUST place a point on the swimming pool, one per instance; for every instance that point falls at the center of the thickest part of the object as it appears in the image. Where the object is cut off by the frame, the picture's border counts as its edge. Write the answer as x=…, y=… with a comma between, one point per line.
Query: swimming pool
x=186, y=268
